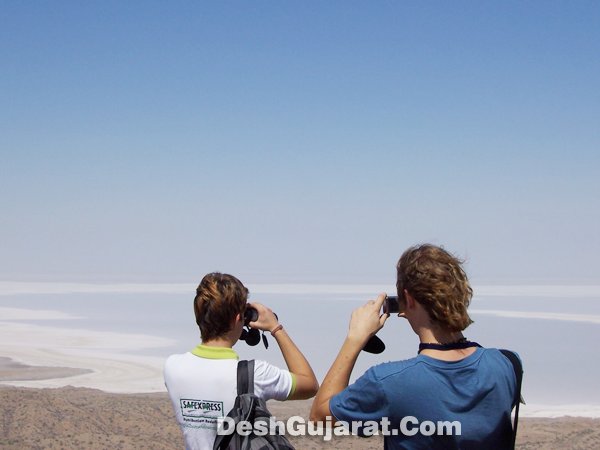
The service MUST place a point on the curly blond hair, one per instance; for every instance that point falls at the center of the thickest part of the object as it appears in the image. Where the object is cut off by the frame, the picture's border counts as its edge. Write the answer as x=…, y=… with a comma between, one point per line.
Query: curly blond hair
x=436, y=280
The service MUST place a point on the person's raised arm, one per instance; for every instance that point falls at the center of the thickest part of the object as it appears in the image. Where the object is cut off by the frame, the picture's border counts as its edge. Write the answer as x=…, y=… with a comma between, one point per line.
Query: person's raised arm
x=365, y=322
x=306, y=382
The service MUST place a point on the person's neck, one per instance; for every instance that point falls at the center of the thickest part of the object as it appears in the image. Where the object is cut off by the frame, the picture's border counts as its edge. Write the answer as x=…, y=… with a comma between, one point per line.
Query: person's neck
x=439, y=336
x=436, y=336
x=223, y=341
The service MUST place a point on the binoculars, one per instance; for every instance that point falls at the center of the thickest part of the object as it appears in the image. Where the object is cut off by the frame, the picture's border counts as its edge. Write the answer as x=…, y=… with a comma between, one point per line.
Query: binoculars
x=252, y=335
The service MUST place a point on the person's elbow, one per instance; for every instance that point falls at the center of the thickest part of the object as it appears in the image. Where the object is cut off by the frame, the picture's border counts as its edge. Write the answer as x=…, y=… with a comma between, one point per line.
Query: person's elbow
x=306, y=387
x=320, y=411
x=312, y=389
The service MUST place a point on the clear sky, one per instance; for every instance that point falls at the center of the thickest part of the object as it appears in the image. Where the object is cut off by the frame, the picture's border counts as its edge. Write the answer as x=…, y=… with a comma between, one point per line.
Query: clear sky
x=298, y=141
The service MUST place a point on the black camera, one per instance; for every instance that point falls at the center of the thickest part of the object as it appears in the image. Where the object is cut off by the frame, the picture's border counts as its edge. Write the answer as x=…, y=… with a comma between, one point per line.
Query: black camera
x=393, y=305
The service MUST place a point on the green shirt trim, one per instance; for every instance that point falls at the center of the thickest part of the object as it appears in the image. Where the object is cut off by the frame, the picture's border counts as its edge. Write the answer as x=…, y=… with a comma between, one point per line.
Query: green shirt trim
x=206, y=351
x=293, y=389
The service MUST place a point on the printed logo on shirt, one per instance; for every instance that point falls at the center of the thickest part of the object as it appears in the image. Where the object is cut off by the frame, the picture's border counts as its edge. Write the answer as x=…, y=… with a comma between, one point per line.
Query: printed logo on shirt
x=207, y=409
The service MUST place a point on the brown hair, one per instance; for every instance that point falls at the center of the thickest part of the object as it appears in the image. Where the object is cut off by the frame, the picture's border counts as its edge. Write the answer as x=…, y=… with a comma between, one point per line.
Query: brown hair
x=219, y=298
x=437, y=281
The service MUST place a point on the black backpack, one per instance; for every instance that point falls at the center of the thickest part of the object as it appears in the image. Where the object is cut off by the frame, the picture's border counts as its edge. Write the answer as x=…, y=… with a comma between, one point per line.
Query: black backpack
x=518, y=368
x=250, y=408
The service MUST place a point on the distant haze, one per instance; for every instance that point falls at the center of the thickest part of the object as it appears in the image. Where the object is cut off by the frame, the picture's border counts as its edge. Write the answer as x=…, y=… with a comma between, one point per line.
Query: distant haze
x=298, y=142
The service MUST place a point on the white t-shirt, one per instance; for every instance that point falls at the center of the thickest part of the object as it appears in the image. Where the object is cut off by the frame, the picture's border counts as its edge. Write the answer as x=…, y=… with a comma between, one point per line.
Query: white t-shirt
x=202, y=385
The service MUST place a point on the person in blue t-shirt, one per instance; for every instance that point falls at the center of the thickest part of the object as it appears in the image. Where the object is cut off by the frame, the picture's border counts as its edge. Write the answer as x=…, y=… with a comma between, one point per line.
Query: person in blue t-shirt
x=453, y=395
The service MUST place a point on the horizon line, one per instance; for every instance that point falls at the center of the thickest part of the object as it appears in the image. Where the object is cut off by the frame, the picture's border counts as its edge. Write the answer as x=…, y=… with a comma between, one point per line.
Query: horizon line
x=483, y=290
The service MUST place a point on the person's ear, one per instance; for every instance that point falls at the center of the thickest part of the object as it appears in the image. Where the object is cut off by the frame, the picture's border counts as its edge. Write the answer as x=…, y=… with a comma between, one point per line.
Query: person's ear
x=410, y=300
x=235, y=320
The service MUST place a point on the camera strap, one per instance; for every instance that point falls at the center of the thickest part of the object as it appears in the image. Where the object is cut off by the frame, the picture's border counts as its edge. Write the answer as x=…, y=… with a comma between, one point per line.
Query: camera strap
x=450, y=346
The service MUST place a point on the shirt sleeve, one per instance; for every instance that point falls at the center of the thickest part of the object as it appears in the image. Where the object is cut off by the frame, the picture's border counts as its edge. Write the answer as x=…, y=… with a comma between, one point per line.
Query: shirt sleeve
x=361, y=401
x=271, y=382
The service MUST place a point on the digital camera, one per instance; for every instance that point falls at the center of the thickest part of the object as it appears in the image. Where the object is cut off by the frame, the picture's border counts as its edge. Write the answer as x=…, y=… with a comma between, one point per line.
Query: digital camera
x=393, y=305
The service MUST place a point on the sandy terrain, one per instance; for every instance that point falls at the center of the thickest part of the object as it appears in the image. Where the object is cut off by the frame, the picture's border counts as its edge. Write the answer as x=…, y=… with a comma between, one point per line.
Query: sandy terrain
x=37, y=411
x=74, y=418
x=108, y=361
x=13, y=371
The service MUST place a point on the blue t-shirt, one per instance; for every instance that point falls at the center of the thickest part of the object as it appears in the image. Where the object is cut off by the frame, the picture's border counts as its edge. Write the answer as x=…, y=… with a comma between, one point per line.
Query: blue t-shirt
x=477, y=391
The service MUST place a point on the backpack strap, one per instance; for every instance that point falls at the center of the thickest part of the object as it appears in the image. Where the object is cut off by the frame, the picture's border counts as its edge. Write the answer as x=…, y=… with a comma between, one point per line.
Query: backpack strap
x=518, y=368
x=245, y=385
x=245, y=377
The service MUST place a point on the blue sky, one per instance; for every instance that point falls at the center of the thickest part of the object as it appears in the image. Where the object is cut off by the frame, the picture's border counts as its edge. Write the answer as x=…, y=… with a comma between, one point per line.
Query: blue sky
x=298, y=141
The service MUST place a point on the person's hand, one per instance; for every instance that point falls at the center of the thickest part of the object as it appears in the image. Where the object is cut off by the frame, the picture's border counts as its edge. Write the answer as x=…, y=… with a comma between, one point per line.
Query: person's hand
x=367, y=320
x=266, y=318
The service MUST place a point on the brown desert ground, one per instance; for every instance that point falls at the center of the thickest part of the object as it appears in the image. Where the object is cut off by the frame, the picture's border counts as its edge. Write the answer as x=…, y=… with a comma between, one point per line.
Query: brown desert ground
x=79, y=418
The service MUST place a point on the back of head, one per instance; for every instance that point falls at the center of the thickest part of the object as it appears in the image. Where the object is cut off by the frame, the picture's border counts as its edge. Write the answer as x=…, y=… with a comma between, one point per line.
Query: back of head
x=437, y=281
x=219, y=298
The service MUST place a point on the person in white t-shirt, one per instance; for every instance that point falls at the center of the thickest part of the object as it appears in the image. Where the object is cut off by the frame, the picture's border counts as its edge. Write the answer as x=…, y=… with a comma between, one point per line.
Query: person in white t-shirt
x=202, y=383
